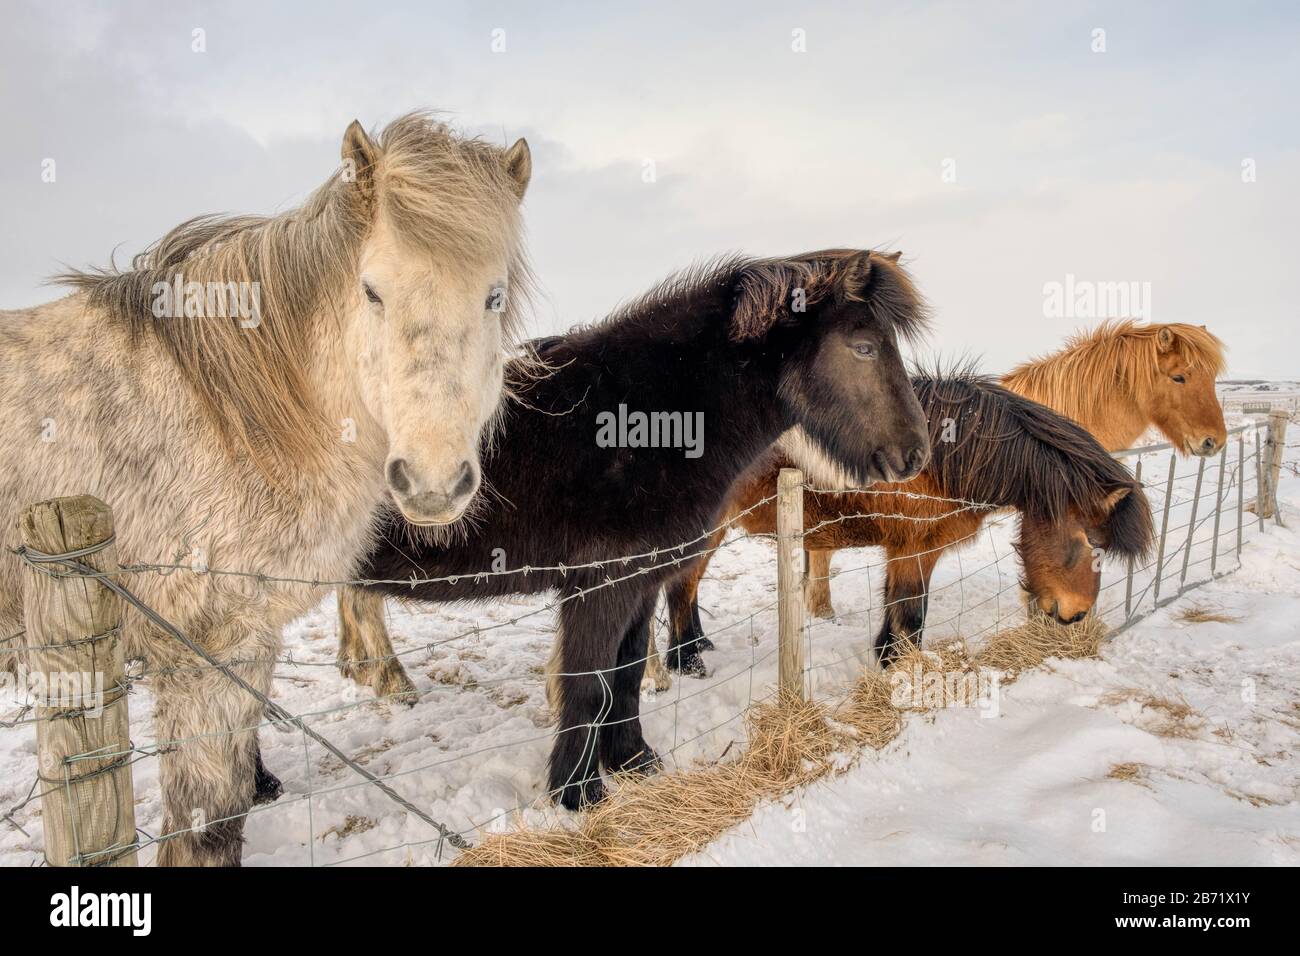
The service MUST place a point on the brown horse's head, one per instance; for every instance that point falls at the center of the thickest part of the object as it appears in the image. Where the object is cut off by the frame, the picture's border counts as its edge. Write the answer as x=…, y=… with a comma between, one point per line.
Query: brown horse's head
x=1182, y=400
x=1122, y=377
x=836, y=317
x=1062, y=558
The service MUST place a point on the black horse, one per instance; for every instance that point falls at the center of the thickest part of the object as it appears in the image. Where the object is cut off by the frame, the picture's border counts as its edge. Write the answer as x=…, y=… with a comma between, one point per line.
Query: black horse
x=720, y=361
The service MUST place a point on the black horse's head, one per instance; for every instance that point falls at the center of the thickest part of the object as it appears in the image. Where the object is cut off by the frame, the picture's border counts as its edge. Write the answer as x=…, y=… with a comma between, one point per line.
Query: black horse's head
x=836, y=317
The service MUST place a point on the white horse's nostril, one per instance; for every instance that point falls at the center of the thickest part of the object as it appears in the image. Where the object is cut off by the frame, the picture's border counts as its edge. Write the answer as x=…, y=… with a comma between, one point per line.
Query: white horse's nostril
x=441, y=504
x=465, y=480
x=398, y=477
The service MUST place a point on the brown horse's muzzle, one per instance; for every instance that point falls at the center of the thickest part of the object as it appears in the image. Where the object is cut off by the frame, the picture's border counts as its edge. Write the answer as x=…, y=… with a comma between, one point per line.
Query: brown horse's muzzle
x=1069, y=609
x=1209, y=445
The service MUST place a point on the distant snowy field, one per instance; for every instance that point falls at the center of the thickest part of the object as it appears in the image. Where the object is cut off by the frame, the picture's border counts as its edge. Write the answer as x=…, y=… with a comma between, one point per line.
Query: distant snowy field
x=1182, y=740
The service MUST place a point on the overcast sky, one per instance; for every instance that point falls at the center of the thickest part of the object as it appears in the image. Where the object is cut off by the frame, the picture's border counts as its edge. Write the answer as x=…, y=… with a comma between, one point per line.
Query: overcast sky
x=988, y=142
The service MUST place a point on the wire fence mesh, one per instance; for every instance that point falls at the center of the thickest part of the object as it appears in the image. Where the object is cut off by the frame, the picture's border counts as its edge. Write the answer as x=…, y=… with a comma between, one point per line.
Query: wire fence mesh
x=370, y=781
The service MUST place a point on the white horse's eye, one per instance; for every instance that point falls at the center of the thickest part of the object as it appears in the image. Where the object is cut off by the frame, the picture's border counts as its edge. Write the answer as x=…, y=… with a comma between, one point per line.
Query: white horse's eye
x=371, y=294
x=496, y=300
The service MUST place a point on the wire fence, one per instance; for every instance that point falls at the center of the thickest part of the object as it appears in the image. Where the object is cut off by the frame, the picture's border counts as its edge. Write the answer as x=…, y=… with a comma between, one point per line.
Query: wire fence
x=1256, y=402
x=467, y=758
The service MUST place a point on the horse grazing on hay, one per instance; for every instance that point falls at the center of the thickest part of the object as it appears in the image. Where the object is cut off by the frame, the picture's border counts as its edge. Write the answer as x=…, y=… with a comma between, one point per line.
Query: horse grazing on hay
x=1116, y=381
x=724, y=344
x=368, y=363
x=1073, y=499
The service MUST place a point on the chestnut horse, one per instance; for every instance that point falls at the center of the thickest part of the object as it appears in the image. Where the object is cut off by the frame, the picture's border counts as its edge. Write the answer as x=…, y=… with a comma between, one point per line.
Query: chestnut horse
x=1116, y=381
x=750, y=348
x=1121, y=378
x=1006, y=451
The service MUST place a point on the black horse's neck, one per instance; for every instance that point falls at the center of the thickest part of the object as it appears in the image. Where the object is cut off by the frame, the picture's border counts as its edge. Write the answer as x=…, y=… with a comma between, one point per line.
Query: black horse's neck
x=662, y=363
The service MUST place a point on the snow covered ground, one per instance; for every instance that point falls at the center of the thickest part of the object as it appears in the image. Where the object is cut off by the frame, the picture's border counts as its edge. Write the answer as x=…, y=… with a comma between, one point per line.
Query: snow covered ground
x=1282, y=395
x=1178, y=746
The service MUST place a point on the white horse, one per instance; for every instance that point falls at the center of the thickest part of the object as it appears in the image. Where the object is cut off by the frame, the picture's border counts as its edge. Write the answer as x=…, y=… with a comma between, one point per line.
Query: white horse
x=248, y=393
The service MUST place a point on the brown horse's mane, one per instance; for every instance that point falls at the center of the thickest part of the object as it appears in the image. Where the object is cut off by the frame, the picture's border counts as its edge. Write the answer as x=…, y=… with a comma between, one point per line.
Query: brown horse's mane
x=1079, y=378
x=1010, y=451
x=443, y=193
x=759, y=292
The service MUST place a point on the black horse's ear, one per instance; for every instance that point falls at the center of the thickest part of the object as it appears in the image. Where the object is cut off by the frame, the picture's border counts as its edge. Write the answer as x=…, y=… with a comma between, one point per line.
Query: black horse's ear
x=1115, y=497
x=850, y=276
x=1132, y=530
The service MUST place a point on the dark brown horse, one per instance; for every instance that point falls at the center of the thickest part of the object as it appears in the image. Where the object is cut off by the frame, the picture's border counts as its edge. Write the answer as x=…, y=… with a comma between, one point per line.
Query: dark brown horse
x=746, y=349
x=989, y=446
x=1116, y=381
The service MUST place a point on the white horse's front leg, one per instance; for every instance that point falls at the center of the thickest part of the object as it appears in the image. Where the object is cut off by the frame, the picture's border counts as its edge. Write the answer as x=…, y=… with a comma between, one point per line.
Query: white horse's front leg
x=365, y=650
x=206, y=730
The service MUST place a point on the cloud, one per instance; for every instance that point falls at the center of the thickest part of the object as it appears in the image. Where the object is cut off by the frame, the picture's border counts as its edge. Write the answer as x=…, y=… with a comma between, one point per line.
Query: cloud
x=1117, y=166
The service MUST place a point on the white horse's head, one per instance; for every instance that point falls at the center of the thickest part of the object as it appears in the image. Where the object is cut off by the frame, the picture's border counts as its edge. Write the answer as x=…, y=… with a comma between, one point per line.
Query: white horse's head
x=430, y=315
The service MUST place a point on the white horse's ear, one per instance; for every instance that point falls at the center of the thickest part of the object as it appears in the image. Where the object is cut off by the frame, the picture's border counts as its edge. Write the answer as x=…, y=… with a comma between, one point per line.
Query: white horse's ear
x=518, y=163
x=360, y=156
x=1164, y=339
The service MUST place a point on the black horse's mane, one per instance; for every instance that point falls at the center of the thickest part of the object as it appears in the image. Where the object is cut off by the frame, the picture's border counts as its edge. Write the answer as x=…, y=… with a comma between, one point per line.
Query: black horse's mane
x=989, y=444
x=755, y=295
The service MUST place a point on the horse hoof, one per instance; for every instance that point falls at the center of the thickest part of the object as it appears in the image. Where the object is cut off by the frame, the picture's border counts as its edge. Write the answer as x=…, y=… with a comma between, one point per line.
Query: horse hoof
x=888, y=654
x=644, y=762
x=350, y=670
x=702, y=643
x=693, y=666
x=824, y=611
x=391, y=683
x=657, y=684
x=579, y=796
x=267, y=787
x=688, y=665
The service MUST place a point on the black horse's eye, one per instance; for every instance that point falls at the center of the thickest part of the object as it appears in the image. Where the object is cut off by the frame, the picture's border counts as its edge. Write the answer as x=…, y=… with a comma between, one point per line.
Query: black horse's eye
x=496, y=300
x=1180, y=379
x=864, y=350
x=371, y=294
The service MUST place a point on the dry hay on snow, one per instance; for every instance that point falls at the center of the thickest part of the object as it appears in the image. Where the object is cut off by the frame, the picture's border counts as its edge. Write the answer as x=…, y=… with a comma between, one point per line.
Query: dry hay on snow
x=1202, y=614
x=1162, y=716
x=1038, y=639
x=655, y=821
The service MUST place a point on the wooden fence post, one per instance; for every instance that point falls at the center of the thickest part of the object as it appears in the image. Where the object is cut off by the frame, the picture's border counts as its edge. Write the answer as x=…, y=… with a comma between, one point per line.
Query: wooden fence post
x=789, y=580
x=75, y=650
x=1277, y=422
